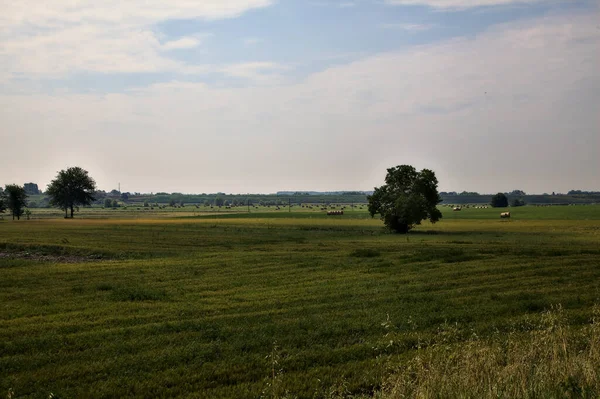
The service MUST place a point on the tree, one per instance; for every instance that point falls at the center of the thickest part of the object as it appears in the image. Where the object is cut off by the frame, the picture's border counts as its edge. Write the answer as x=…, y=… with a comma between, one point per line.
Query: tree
x=71, y=188
x=407, y=198
x=107, y=203
x=499, y=200
x=219, y=202
x=16, y=200
x=517, y=193
x=517, y=202
x=2, y=200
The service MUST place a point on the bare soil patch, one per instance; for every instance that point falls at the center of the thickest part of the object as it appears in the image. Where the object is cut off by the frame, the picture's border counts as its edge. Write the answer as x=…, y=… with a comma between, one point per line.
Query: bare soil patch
x=49, y=258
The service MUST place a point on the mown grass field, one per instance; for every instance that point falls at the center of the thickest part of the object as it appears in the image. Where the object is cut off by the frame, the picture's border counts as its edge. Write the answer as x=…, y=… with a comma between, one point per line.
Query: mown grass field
x=260, y=304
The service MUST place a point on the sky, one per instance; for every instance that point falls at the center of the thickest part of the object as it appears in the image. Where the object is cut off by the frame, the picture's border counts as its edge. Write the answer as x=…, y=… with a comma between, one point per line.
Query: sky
x=259, y=96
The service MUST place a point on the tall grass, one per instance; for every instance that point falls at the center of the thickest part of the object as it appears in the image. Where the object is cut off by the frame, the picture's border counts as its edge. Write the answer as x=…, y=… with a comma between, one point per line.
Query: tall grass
x=552, y=360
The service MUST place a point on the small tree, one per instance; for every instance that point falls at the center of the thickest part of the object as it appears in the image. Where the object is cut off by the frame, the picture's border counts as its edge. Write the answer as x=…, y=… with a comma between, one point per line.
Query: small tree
x=407, y=198
x=2, y=200
x=71, y=188
x=16, y=200
x=517, y=202
x=219, y=201
x=146, y=204
x=499, y=201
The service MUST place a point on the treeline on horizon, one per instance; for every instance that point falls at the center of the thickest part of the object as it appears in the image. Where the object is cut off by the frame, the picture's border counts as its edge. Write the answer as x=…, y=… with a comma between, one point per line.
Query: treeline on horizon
x=37, y=199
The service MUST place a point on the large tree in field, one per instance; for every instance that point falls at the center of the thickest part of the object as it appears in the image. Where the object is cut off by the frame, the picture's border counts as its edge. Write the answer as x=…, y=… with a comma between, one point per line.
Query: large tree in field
x=71, y=188
x=407, y=198
x=16, y=200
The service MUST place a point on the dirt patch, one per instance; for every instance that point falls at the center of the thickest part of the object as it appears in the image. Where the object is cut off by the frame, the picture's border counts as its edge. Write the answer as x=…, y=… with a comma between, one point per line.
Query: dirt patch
x=50, y=258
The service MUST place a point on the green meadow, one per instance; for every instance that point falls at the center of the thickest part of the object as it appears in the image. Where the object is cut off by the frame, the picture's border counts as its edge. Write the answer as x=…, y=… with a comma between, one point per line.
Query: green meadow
x=230, y=304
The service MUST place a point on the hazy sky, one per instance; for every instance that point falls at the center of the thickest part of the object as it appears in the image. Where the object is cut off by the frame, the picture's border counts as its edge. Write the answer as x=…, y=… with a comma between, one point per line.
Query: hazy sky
x=265, y=95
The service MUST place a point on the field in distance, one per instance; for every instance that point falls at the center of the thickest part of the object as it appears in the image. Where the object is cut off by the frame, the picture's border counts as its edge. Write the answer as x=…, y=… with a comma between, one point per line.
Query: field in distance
x=227, y=304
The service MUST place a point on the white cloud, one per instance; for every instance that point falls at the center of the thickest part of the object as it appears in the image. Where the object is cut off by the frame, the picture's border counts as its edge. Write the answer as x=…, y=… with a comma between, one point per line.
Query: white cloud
x=54, y=38
x=182, y=43
x=407, y=27
x=258, y=72
x=57, y=13
x=515, y=106
x=457, y=4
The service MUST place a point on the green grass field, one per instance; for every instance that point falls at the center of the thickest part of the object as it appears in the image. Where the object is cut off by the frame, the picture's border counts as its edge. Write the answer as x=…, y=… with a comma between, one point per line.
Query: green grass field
x=274, y=303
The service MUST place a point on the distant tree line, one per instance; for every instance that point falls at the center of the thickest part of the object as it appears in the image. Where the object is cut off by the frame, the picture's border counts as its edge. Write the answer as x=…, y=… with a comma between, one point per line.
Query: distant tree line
x=73, y=188
x=580, y=192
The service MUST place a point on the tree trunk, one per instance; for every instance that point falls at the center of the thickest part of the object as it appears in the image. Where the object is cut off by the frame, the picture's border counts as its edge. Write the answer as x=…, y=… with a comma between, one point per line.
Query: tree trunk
x=71, y=211
x=66, y=214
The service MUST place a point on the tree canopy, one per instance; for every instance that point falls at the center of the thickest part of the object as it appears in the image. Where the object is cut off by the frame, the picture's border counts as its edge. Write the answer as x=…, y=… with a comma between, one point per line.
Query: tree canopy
x=2, y=201
x=71, y=188
x=407, y=198
x=517, y=202
x=16, y=200
x=499, y=200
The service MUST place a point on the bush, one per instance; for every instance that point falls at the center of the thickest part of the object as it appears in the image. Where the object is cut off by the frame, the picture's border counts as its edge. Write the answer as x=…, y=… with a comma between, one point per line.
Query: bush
x=517, y=202
x=499, y=201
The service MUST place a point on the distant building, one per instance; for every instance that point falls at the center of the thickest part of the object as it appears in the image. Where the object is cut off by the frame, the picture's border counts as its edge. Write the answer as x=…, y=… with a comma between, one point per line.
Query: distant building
x=31, y=189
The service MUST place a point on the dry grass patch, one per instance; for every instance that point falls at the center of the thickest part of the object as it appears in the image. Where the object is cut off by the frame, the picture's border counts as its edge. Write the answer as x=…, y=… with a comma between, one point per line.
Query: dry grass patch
x=551, y=361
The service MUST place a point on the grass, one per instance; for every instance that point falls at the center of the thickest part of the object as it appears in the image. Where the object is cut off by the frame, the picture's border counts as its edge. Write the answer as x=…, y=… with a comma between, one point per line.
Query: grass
x=552, y=360
x=244, y=306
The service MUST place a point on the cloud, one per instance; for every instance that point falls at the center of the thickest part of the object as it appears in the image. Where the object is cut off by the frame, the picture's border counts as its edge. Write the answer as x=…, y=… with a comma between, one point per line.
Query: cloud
x=515, y=106
x=457, y=4
x=182, y=43
x=251, y=41
x=407, y=27
x=56, y=13
x=58, y=37
x=258, y=72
